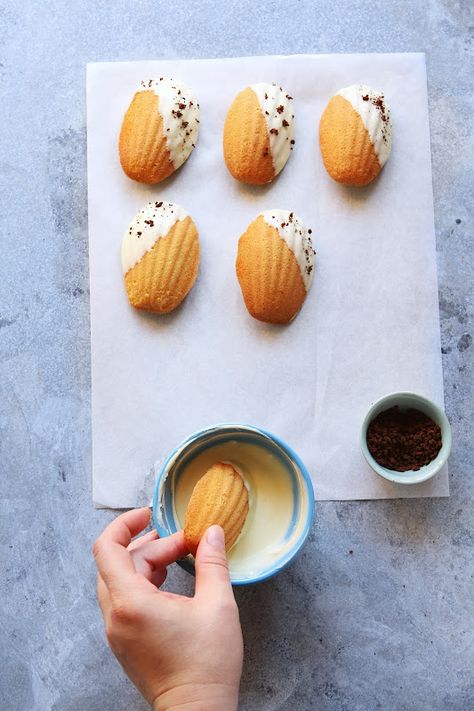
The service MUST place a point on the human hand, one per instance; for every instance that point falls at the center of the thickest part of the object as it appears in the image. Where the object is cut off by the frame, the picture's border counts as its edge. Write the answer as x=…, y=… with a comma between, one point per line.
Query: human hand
x=181, y=653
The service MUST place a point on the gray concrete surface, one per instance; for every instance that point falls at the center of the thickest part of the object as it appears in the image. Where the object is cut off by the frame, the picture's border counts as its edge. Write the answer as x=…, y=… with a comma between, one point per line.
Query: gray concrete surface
x=378, y=611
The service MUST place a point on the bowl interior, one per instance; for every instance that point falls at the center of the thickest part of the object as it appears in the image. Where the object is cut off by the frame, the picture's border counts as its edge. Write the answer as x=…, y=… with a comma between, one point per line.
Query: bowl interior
x=302, y=503
x=406, y=400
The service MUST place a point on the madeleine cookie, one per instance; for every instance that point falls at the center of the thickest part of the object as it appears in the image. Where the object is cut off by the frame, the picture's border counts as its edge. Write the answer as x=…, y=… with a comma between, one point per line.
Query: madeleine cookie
x=275, y=262
x=160, y=257
x=159, y=130
x=259, y=133
x=220, y=497
x=355, y=135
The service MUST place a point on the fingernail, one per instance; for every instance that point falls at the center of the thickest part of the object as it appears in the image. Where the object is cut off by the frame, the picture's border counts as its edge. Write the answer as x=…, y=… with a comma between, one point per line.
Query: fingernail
x=215, y=537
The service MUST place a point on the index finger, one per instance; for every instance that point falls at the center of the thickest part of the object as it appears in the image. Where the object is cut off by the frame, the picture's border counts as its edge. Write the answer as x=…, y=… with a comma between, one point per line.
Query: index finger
x=151, y=559
x=163, y=551
x=113, y=561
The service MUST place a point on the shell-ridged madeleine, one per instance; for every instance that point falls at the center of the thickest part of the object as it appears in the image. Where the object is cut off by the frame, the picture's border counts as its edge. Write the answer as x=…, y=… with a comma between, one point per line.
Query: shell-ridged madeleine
x=275, y=262
x=160, y=257
x=355, y=135
x=159, y=130
x=219, y=497
x=259, y=133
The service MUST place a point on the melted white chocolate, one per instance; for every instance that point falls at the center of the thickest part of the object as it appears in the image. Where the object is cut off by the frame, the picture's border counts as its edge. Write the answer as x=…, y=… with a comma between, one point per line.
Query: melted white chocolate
x=264, y=538
x=375, y=115
x=277, y=109
x=296, y=236
x=180, y=112
x=150, y=224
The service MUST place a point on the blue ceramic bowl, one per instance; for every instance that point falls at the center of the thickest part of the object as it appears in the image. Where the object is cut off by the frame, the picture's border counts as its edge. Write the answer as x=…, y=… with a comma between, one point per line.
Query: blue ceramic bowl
x=302, y=491
x=406, y=400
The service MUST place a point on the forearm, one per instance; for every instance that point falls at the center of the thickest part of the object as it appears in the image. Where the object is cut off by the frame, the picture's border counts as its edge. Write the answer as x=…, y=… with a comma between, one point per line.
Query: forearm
x=198, y=697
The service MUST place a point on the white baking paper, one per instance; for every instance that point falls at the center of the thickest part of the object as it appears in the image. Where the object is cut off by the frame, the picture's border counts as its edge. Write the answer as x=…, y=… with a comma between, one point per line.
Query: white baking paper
x=369, y=326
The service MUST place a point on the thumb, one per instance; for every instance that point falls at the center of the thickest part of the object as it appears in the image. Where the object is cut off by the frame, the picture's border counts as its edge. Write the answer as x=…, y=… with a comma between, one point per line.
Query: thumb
x=212, y=569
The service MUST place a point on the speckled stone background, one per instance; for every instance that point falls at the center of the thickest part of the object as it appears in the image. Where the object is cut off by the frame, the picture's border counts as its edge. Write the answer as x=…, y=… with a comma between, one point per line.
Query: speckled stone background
x=378, y=611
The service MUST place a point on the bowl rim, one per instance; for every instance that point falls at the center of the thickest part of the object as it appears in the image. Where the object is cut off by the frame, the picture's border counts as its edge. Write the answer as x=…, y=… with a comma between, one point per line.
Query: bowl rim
x=308, y=483
x=436, y=464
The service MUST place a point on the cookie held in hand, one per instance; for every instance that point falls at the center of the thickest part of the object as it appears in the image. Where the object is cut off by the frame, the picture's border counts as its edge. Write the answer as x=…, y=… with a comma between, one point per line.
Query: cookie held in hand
x=259, y=133
x=220, y=497
x=275, y=264
x=355, y=135
x=159, y=130
x=160, y=257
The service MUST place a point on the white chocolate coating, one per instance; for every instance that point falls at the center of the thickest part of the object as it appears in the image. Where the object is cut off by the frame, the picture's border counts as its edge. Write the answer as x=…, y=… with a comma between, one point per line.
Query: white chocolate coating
x=271, y=501
x=375, y=115
x=180, y=111
x=277, y=108
x=296, y=236
x=150, y=223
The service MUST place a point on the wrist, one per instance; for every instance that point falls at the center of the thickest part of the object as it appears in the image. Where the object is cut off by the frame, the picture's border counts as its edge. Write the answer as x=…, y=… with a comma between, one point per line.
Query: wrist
x=198, y=697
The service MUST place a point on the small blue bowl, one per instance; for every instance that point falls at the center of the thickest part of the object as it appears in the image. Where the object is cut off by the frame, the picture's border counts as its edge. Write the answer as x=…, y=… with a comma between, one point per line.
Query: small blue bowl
x=405, y=400
x=303, y=495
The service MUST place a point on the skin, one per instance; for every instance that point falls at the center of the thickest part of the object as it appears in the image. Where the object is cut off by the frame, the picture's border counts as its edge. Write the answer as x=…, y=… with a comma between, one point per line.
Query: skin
x=183, y=654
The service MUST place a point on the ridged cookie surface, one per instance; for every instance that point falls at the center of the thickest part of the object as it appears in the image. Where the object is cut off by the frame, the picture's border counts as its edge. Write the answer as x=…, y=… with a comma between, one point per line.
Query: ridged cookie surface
x=355, y=135
x=275, y=263
x=220, y=497
x=259, y=133
x=159, y=130
x=160, y=257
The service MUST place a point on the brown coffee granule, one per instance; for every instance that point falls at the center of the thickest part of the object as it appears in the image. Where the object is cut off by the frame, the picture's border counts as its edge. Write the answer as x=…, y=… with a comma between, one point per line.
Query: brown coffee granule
x=403, y=439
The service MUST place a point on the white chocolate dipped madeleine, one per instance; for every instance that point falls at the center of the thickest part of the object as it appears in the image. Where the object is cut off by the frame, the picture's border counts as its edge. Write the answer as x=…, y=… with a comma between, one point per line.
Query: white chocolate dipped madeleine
x=159, y=130
x=160, y=257
x=259, y=133
x=275, y=265
x=355, y=135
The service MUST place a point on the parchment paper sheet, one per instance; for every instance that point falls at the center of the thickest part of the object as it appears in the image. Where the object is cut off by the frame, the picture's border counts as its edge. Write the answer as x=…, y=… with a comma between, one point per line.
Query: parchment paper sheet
x=370, y=324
